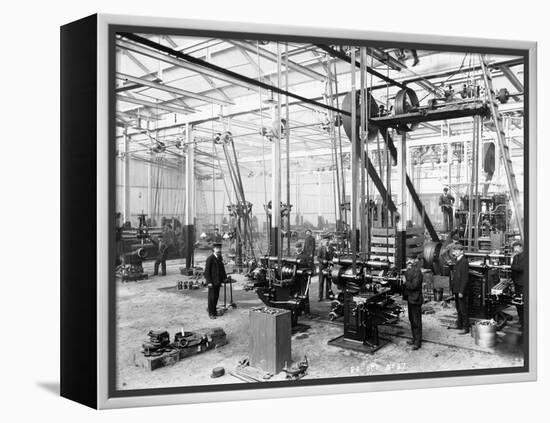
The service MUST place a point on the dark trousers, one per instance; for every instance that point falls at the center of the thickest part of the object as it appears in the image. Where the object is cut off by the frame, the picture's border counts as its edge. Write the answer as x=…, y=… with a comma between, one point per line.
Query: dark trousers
x=324, y=285
x=213, y=295
x=518, y=290
x=447, y=220
x=161, y=260
x=462, y=320
x=415, y=317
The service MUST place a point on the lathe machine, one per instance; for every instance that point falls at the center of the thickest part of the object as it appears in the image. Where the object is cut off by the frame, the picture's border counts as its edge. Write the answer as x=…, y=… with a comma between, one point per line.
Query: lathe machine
x=282, y=284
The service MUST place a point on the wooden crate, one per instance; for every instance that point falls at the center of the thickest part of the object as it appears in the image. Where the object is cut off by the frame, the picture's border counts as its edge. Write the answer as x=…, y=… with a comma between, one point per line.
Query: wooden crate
x=384, y=240
x=270, y=332
x=216, y=336
x=152, y=363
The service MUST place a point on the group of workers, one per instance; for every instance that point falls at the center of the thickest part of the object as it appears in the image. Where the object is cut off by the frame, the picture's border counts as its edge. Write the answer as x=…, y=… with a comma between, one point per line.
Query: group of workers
x=215, y=275
x=459, y=287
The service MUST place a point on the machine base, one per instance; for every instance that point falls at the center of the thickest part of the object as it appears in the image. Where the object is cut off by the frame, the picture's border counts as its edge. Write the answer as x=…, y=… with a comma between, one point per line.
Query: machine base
x=135, y=278
x=358, y=346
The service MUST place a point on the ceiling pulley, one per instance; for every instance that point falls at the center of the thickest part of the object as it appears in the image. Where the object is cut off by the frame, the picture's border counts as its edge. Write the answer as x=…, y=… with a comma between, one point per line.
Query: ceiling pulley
x=372, y=130
x=406, y=101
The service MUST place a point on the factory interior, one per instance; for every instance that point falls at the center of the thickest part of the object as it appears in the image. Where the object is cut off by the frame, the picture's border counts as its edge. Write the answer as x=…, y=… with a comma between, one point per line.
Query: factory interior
x=345, y=186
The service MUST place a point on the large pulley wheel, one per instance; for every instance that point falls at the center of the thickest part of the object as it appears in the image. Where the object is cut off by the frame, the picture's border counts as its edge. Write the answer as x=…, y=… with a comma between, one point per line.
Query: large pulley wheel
x=406, y=101
x=372, y=130
x=432, y=250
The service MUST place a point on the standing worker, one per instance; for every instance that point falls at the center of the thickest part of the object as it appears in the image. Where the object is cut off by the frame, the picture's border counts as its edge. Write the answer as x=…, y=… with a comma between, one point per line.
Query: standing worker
x=325, y=256
x=164, y=245
x=459, y=287
x=413, y=295
x=309, y=245
x=214, y=273
x=447, y=201
x=518, y=265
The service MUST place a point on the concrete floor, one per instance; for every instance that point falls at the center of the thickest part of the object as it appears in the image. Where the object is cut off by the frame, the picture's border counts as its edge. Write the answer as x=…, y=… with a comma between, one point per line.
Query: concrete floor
x=157, y=304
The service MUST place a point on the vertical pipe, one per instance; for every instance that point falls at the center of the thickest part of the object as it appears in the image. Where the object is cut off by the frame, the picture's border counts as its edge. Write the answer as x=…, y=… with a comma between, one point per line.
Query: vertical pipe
x=401, y=226
x=214, y=187
x=342, y=173
x=276, y=170
x=150, y=190
x=449, y=156
x=336, y=177
x=362, y=145
x=126, y=197
x=287, y=109
x=469, y=226
x=414, y=171
x=319, y=202
x=189, y=223
x=354, y=164
x=476, y=183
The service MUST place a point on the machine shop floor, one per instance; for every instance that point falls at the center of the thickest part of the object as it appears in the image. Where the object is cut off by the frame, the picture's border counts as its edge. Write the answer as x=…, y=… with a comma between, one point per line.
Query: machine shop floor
x=157, y=304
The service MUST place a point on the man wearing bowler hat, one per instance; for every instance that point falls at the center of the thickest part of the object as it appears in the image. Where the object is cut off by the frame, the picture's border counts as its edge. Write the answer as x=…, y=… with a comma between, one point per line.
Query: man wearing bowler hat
x=413, y=295
x=214, y=273
x=460, y=289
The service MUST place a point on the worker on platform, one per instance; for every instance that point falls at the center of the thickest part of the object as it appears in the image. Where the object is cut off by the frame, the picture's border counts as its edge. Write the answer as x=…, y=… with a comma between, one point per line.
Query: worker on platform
x=518, y=266
x=309, y=244
x=164, y=246
x=447, y=201
x=460, y=289
x=413, y=295
x=324, y=257
x=214, y=273
x=304, y=261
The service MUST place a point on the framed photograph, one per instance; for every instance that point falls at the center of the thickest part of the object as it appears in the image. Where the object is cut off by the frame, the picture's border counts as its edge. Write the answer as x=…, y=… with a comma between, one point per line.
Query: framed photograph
x=254, y=211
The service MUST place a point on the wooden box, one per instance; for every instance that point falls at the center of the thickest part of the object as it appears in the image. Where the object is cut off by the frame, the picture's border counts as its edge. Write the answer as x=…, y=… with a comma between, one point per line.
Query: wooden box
x=270, y=332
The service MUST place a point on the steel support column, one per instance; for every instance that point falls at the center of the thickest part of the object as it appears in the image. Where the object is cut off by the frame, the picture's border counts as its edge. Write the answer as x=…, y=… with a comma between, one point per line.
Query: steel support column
x=287, y=111
x=355, y=159
x=126, y=179
x=189, y=223
x=276, y=169
x=363, y=113
x=401, y=226
x=150, y=190
x=319, y=200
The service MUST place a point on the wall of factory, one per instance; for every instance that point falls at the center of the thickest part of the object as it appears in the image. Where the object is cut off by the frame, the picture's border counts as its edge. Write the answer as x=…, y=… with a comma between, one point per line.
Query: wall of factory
x=312, y=193
x=304, y=197
x=166, y=198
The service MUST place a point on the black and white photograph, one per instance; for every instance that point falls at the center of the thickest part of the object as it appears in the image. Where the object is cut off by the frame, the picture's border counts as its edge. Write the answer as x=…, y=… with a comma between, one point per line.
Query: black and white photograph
x=292, y=210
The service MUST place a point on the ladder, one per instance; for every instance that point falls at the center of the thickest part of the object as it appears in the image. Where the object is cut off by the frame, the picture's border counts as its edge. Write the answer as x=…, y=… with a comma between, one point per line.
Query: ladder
x=502, y=144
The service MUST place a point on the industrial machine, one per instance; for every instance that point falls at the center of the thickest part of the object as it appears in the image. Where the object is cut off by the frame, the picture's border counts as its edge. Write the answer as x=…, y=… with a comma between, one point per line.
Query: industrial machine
x=365, y=299
x=491, y=288
x=131, y=268
x=483, y=220
x=282, y=284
